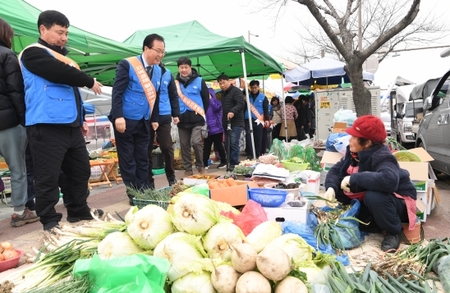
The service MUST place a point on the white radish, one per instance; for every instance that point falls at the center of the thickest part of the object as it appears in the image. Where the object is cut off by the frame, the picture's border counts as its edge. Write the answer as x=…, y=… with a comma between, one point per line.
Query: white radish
x=224, y=279
x=291, y=285
x=253, y=282
x=274, y=263
x=243, y=257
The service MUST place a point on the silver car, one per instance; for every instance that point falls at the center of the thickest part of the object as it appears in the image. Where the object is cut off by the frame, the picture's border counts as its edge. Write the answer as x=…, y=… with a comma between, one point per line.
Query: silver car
x=434, y=129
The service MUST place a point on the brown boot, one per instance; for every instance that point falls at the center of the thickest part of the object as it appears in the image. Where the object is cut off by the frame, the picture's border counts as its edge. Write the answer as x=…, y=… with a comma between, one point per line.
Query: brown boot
x=201, y=170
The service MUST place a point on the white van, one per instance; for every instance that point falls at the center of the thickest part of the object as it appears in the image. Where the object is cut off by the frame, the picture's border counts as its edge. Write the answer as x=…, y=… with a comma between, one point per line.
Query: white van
x=434, y=128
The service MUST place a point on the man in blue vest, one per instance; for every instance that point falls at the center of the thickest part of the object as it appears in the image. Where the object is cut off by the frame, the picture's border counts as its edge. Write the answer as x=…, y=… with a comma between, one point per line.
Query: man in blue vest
x=168, y=110
x=54, y=120
x=260, y=119
x=133, y=96
x=194, y=102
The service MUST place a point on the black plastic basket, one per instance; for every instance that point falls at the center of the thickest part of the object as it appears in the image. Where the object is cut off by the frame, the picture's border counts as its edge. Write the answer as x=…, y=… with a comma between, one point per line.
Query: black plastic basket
x=140, y=203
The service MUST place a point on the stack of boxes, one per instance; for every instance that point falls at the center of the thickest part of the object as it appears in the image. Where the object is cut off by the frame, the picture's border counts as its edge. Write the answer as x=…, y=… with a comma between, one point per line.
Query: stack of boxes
x=423, y=177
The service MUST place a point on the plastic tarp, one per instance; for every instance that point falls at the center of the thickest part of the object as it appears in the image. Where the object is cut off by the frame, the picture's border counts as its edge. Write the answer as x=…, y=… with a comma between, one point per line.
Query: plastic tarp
x=423, y=90
x=403, y=93
x=321, y=71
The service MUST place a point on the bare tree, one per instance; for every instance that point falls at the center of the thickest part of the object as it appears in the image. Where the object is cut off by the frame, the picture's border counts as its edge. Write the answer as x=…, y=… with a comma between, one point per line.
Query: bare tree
x=354, y=35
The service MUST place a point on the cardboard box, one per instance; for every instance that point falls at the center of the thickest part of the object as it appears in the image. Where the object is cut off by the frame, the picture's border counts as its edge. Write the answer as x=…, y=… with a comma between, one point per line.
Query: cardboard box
x=233, y=195
x=339, y=127
x=329, y=159
x=287, y=213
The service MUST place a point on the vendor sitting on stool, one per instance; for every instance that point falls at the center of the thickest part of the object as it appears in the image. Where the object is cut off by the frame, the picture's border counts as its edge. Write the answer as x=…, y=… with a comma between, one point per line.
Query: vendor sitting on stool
x=370, y=173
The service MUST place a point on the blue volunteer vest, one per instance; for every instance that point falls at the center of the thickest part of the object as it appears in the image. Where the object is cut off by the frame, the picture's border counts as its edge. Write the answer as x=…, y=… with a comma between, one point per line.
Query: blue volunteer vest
x=258, y=103
x=192, y=91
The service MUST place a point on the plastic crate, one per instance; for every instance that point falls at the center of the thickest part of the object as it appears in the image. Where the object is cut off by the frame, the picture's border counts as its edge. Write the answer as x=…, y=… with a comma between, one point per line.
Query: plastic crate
x=140, y=203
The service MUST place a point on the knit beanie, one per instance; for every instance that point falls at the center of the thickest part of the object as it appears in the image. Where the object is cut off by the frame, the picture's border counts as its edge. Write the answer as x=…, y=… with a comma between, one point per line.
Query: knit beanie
x=369, y=127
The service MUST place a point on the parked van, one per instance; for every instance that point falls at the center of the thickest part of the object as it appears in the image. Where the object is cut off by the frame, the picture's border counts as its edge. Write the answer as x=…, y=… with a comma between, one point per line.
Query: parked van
x=434, y=129
x=406, y=121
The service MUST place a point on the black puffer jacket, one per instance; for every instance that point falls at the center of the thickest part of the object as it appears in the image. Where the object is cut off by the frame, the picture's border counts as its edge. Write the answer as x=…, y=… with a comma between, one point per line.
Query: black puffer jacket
x=12, y=105
x=233, y=101
x=378, y=171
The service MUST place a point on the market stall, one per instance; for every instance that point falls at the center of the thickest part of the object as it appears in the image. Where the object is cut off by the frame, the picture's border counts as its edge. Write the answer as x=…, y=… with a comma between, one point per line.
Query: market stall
x=219, y=234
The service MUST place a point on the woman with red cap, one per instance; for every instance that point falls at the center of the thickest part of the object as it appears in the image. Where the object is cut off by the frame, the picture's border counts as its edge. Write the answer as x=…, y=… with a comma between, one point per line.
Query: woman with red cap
x=371, y=174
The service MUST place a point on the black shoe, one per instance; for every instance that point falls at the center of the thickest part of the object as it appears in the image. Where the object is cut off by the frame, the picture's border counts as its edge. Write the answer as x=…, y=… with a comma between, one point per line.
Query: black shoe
x=231, y=169
x=49, y=226
x=172, y=180
x=222, y=165
x=391, y=242
x=151, y=185
x=131, y=201
x=74, y=219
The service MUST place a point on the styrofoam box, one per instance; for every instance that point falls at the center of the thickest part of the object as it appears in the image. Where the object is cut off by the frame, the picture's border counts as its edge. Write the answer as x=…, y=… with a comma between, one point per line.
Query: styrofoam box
x=287, y=213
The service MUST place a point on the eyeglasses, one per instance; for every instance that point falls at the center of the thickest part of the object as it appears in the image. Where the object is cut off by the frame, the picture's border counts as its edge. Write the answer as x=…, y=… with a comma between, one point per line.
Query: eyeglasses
x=159, y=51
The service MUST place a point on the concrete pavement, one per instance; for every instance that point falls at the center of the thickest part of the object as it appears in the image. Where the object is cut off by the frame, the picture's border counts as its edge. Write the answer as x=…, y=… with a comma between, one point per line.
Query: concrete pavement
x=114, y=200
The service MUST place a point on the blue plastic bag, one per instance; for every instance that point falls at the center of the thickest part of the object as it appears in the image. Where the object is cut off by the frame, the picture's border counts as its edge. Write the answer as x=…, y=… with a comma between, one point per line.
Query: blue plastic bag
x=332, y=140
x=351, y=236
x=305, y=231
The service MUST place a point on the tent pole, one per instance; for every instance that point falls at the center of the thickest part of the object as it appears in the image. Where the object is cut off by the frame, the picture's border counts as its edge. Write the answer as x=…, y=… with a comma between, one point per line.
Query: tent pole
x=284, y=109
x=247, y=97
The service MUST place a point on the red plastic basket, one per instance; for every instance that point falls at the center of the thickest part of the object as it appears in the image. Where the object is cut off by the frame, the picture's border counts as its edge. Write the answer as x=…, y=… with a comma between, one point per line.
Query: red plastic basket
x=11, y=263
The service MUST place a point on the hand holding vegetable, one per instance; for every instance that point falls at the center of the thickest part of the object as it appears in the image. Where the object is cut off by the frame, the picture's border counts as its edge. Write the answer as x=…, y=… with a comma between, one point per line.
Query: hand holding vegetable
x=330, y=198
x=345, y=183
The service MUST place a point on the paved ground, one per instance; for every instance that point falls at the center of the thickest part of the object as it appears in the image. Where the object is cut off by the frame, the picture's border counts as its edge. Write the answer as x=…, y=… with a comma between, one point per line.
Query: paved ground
x=114, y=200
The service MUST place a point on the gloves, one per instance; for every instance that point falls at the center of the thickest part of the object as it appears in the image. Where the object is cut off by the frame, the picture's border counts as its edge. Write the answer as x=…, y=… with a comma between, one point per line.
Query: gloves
x=331, y=200
x=345, y=184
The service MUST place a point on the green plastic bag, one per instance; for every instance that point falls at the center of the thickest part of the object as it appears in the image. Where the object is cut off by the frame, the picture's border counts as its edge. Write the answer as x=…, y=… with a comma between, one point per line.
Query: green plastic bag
x=133, y=273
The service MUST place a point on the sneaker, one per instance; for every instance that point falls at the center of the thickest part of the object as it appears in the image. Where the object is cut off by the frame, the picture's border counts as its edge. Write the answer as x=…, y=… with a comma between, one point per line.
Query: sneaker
x=26, y=217
x=206, y=167
x=391, y=242
x=188, y=173
x=222, y=165
x=74, y=219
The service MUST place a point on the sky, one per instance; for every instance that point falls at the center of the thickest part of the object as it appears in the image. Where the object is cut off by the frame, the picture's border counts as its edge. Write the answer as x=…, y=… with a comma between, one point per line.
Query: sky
x=233, y=18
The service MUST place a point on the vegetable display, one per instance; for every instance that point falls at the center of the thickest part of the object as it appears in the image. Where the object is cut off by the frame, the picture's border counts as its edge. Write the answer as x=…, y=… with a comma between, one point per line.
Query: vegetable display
x=209, y=253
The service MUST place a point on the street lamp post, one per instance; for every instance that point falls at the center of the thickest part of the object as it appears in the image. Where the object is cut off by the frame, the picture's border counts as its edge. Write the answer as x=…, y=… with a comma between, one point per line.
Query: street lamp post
x=250, y=34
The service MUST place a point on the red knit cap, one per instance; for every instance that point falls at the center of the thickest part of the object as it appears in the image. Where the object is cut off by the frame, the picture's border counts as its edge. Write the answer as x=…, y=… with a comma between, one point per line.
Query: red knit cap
x=369, y=127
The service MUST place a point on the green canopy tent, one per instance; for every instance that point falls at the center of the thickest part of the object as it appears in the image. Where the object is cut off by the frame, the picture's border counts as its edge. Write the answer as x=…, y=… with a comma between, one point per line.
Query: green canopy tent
x=211, y=54
x=96, y=55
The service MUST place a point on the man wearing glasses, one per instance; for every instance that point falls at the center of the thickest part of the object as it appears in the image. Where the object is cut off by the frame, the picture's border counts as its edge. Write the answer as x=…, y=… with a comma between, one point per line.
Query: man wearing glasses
x=134, y=112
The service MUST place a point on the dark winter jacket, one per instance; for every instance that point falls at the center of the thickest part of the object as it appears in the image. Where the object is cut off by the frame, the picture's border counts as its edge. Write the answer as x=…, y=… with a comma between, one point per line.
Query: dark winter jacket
x=378, y=171
x=190, y=119
x=233, y=101
x=12, y=104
